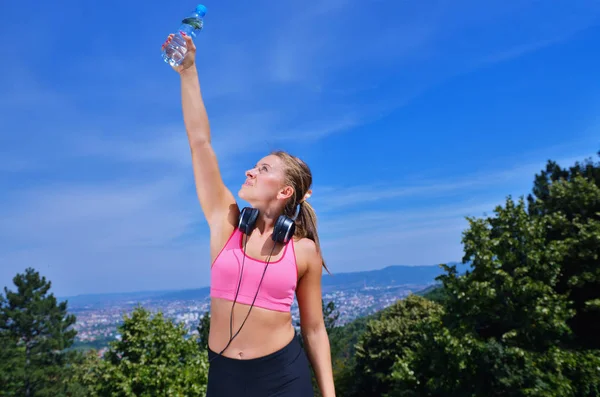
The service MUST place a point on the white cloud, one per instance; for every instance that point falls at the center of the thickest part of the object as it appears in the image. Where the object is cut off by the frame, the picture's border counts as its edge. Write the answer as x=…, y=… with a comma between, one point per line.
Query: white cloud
x=149, y=233
x=251, y=91
x=491, y=183
x=425, y=243
x=233, y=138
x=371, y=220
x=372, y=239
x=119, y=235
x=164, y=146
x=99, y=214
x=424, y=234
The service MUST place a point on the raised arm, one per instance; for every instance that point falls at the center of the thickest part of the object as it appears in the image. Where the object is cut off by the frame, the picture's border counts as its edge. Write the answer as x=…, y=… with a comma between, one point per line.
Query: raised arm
x=217, y=202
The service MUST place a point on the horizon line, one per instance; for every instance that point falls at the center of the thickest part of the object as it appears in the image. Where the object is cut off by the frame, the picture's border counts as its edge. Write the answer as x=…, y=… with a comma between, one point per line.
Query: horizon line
x=150, y=291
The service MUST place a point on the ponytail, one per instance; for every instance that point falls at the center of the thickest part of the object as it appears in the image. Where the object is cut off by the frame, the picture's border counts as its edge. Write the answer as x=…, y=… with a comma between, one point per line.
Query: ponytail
x=306, y=226
x=298, y=176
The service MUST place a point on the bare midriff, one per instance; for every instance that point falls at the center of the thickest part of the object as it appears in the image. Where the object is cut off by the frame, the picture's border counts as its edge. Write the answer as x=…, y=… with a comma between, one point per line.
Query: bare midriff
x=265, y=331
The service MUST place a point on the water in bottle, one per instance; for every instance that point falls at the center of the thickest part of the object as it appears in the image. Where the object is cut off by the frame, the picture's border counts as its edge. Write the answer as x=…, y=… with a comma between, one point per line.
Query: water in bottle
x=175, y=51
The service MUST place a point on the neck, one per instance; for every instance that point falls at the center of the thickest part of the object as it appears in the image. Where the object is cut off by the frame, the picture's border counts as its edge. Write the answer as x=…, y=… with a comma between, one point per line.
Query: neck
x=266, y=221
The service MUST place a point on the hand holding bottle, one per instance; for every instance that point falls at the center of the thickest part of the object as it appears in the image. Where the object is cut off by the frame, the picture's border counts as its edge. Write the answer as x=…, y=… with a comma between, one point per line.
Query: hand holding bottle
x=179, y=50
x=189, y=59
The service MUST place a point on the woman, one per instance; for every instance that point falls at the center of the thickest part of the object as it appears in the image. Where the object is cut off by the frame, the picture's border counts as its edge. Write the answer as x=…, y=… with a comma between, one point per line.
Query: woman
x=254, y=277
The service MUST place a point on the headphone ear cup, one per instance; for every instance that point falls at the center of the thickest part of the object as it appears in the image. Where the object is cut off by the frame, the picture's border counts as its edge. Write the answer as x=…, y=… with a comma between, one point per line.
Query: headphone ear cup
x=248, y=218
x=284, y=229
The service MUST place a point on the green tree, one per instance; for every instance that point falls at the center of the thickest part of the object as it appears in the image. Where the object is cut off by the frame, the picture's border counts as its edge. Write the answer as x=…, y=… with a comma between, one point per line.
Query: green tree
x=509, y=323
x=81, y=364
x=434, y=293
x=344, y=339
x=203, y=331
x=509, y=294
x=573, y=193
x=330, y=315
x=35, y=332
x=153, y=357
x=12, y=363
x=395, y=333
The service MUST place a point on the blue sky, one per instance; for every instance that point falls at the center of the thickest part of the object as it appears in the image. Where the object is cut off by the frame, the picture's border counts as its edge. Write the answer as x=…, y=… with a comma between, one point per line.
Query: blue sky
x=411, y=114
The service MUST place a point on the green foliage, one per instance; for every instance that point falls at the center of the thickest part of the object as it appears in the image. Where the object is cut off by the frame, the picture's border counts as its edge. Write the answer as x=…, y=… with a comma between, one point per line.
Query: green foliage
x=345, y=338
x=343, y=341
x=330, y=316
x=464, y=365
x=96, y=344
x=35, y=332
x=434, y=293
x=573, y=194
x=507, y=325
x=203, y=331
x=12, y=363
x=509, y=294
x=152, y=358
x=395, y=333
x=523, y=320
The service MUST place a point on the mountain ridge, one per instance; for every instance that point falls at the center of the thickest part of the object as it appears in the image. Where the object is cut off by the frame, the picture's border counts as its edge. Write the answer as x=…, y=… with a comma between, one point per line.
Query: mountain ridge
x=393, y=275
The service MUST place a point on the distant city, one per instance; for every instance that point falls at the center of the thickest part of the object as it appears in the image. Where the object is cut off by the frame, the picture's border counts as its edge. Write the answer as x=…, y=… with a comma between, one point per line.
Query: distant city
x=354, y=294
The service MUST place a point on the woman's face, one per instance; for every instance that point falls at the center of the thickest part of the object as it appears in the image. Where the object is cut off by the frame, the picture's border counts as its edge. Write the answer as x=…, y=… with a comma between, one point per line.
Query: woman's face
x=265, y=182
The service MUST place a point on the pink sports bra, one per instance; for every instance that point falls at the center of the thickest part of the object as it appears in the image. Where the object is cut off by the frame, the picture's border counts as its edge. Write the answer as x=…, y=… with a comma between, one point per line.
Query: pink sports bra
x=277, y=288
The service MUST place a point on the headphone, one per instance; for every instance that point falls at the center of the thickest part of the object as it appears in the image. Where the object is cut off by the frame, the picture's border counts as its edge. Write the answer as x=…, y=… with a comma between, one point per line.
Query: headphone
x=283, y=231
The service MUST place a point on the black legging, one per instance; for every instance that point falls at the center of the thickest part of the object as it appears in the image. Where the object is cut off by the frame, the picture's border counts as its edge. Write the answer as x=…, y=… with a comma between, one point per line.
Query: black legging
x=285, y=373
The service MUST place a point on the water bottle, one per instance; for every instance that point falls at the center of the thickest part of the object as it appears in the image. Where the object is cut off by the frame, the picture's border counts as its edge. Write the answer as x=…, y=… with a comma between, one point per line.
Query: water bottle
x=175, y=51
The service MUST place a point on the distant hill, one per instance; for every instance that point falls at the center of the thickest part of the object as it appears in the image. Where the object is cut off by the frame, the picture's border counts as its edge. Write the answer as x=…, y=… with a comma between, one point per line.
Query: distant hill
x=187, y=294
x=93, y=299
x=386, y=277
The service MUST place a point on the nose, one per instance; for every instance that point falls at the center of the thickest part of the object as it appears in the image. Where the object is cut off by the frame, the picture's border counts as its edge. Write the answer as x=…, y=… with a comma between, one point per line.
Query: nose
x=250, y=173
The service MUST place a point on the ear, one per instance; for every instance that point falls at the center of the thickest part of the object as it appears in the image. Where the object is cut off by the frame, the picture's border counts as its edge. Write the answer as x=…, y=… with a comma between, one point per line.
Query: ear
x=286, y=192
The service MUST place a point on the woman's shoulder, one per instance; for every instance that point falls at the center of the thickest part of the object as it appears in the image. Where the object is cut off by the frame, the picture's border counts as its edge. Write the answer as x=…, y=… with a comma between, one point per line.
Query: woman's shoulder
x=307, y=255
x=305, y=245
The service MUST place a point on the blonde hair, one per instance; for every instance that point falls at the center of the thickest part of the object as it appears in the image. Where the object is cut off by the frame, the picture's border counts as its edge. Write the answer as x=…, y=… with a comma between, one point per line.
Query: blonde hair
x=299, y=176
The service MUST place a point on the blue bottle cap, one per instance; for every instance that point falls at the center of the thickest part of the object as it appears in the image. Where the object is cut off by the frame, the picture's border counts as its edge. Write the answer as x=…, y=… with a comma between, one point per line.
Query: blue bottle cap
x=201, y=10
